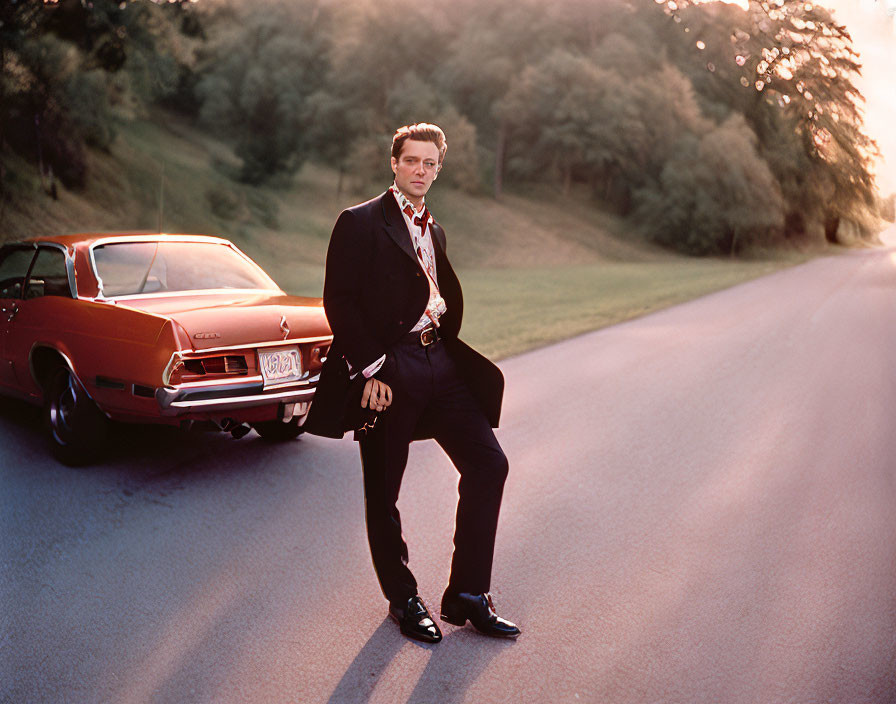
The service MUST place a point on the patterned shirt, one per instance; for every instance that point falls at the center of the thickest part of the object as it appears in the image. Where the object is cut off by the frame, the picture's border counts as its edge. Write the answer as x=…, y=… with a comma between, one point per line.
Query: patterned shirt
x=419, y=224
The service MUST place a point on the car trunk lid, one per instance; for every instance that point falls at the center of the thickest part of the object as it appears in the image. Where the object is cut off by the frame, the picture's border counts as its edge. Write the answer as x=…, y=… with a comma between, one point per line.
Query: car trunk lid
x=230, y=319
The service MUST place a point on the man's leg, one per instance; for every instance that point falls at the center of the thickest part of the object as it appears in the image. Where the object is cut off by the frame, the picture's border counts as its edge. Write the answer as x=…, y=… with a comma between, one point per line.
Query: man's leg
x=384, y=455
x=464, y=433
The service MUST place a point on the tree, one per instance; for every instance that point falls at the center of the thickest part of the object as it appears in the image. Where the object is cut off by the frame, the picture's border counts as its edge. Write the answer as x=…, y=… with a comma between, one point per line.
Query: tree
x=36, y=68
x=336, y=122
x=585, y=122
x=256, y=87
x=554, y=115
x=40, y=117
x=65, y=65
x=485, y=59
x=716, y=194
x=789, y=67
x=354, y=110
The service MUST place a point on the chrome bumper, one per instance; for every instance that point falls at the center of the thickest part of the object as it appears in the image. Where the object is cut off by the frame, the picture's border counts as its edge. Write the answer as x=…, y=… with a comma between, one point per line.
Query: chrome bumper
x=214, y=397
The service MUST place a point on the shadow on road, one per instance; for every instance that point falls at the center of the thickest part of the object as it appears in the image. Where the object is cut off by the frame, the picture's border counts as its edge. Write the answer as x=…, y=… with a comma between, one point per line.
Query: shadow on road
x=47, y=504
x=21, y=416
x=360, y=679
x=453, y=666
x=128, y=445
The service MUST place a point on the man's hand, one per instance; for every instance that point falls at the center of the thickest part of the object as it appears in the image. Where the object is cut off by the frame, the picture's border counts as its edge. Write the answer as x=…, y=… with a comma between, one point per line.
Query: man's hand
x=377, y=396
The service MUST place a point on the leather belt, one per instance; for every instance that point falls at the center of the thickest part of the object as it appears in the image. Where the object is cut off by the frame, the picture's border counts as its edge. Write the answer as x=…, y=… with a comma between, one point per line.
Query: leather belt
x=424, y=337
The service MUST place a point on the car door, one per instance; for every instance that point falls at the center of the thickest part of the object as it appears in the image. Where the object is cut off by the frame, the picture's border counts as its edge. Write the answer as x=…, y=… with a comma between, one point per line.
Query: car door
x=15, y=262
x=41, y=315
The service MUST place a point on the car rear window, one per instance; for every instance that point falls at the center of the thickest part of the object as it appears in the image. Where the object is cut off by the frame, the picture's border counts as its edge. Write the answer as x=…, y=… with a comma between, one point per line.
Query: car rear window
x=134, y=268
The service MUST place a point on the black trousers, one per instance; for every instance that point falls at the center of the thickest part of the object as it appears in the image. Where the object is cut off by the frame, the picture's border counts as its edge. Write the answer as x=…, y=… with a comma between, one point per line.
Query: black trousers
x=425, y=383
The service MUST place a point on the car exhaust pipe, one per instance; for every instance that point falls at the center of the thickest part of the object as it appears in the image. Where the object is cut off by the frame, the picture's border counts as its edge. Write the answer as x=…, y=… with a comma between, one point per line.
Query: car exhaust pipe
x=235, y=428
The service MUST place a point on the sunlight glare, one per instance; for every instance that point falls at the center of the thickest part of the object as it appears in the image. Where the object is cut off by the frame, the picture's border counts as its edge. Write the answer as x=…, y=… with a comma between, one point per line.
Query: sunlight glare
x=871, y=24
x=742, y=4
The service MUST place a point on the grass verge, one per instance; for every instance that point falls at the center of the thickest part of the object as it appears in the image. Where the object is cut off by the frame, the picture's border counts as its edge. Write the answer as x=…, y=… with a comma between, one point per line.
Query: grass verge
x=508, y=312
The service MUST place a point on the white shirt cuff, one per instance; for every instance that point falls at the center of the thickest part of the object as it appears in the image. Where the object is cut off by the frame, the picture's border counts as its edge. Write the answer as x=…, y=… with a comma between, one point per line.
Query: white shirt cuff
x=374, y=368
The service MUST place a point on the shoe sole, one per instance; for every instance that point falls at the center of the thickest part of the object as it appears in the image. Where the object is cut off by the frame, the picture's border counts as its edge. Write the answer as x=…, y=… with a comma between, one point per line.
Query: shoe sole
x=462, y=621
x=505, y=636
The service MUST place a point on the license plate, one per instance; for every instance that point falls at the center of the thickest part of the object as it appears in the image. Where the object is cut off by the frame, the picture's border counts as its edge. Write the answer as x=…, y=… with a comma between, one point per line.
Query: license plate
x=280, y=366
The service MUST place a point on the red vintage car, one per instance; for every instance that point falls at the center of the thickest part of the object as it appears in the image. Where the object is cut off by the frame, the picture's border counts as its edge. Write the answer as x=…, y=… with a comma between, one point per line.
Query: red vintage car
x=155, y=328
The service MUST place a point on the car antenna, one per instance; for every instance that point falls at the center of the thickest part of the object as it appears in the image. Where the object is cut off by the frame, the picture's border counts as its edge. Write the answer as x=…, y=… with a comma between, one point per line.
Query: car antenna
x=161, y=195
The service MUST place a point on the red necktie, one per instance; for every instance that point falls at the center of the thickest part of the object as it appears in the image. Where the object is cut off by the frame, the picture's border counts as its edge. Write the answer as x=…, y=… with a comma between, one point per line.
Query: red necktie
x=421, y=221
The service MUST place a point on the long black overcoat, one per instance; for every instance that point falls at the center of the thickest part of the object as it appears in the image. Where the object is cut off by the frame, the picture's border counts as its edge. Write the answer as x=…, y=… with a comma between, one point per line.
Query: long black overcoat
x=374, y=292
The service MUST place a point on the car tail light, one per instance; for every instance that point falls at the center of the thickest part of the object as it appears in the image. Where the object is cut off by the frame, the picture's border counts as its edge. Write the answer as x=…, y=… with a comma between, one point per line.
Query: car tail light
x=195, y=369
x=193, y=366
x=231, y=364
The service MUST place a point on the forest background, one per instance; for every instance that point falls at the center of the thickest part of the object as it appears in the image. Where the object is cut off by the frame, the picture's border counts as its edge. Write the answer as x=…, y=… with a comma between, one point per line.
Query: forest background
x=638, y=128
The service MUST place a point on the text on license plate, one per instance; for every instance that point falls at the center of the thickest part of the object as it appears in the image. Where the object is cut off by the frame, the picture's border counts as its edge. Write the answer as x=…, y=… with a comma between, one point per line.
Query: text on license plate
x=280, y=366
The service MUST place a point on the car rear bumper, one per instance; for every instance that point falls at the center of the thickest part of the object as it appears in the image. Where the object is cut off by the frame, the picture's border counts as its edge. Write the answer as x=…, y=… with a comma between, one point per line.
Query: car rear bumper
x=214, y=398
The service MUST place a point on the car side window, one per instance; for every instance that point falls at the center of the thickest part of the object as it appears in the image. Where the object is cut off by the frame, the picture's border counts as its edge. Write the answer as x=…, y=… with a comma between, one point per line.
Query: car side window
x=48, y=275
x=14, y=263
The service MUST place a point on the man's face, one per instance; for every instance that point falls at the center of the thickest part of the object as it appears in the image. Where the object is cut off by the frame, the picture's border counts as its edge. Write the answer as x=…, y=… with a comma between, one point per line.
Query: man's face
x=416, y=168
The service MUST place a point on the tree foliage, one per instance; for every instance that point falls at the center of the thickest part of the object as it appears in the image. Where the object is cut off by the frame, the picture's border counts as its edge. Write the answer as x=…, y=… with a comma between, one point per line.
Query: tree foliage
x=715, y=194
x=788, y=67
x=256, y=88
x=67, y=66
x=712, y=126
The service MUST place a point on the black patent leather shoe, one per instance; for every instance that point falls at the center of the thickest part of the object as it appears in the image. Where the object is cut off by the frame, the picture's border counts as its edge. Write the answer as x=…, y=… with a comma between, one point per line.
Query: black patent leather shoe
x=415, y=621
x=480, y=611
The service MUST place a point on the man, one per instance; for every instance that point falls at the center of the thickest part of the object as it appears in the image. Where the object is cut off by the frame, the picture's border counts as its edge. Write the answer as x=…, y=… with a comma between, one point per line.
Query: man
x=395, y=307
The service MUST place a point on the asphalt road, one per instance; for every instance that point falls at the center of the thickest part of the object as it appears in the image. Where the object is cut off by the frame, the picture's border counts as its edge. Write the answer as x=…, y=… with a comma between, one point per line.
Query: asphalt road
x=701, y=508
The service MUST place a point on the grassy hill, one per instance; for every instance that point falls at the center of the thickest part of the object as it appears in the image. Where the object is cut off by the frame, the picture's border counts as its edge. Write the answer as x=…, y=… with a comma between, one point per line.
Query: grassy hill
x=536, y=267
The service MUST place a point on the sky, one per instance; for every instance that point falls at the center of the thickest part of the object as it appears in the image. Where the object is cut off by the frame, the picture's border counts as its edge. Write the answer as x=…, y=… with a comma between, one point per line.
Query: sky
x=872, y=24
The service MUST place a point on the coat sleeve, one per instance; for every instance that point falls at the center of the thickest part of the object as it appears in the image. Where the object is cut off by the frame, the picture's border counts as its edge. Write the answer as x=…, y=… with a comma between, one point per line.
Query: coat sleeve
x=346, y=272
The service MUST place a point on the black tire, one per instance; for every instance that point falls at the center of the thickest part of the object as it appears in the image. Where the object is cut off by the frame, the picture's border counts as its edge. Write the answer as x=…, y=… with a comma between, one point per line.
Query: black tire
x=76, y=429
x=278, y=431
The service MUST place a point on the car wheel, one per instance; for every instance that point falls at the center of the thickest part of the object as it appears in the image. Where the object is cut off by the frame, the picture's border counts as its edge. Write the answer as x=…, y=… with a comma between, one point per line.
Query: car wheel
x=75, y=427
x=278, y=431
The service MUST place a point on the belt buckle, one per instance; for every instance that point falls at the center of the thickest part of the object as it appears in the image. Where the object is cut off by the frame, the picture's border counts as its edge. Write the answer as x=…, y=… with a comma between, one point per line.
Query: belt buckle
x=428, y=336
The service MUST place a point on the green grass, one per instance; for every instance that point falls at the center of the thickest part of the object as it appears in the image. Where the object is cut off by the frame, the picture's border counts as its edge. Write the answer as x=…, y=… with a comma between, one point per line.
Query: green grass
x=507, y=311
x=536, y=267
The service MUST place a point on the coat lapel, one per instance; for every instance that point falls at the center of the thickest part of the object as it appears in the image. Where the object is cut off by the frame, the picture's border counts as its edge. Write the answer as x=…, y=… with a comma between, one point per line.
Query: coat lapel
x=396, y=226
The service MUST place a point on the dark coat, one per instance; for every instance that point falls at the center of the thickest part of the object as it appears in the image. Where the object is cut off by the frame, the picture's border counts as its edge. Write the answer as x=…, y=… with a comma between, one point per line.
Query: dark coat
x=374, y=292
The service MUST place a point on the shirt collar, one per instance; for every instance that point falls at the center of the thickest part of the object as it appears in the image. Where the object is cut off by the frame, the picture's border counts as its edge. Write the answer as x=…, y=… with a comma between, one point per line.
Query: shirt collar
x=404, y=203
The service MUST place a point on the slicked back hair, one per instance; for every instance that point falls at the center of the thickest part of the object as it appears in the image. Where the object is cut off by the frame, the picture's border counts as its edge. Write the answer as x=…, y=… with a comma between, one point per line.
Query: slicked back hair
x=419, y=132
